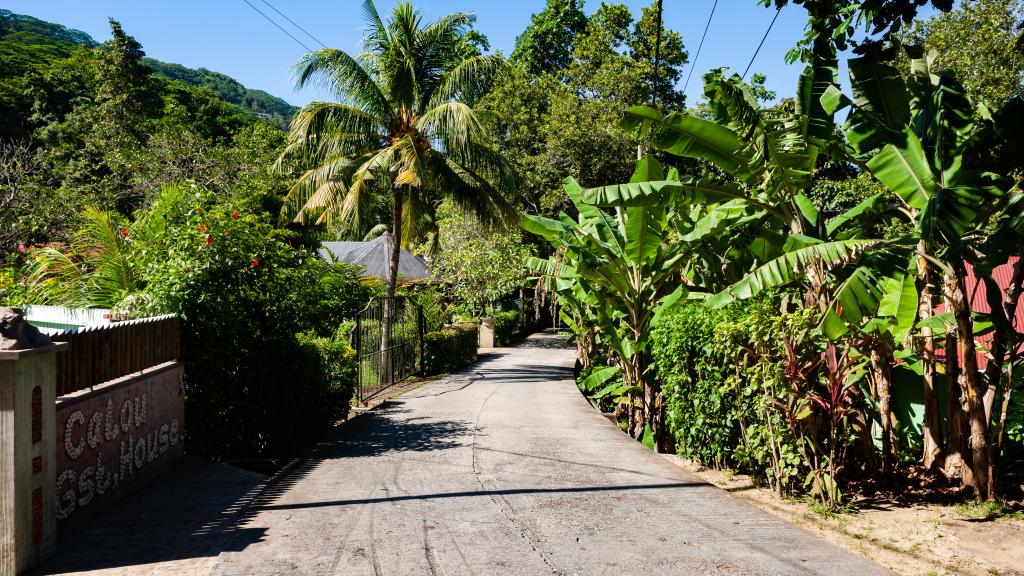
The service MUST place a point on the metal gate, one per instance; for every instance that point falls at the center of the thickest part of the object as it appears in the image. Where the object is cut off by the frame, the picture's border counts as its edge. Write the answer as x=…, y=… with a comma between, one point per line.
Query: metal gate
x=388, y=342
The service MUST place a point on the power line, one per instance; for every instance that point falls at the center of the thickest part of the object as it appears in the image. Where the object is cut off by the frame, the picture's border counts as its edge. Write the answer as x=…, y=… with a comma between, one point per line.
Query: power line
x=308, y=49
x=763, y=38
x=699, y=46
x=315, y=39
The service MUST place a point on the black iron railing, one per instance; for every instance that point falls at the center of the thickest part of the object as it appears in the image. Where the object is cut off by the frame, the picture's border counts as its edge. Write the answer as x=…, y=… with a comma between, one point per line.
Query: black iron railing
x=388, y=338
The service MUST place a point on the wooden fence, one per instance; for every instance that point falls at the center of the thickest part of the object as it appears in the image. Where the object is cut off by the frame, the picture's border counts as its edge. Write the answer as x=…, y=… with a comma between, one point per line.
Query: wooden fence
x=99, y=354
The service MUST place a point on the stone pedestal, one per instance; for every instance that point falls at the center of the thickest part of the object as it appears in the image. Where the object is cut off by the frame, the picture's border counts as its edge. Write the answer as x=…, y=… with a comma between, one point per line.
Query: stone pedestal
x=487, y=332
x=28, y=521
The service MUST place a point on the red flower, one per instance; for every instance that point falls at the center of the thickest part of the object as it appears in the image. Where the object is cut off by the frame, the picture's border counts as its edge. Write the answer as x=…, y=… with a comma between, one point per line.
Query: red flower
x=203, y=228
x=124, y=232
x=235, y=214
x=227, y=232
x=209, y=239
x=22, y=248
x=255, y=262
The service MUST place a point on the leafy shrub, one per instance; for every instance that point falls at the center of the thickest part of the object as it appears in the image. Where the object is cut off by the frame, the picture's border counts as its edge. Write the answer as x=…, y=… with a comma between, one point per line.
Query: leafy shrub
x=12, y=288
x=451, y=348
x=253, y=388
x=333, y=293
x=506, y=325
x=326, y=396
x=719, y=403
x=436, y=308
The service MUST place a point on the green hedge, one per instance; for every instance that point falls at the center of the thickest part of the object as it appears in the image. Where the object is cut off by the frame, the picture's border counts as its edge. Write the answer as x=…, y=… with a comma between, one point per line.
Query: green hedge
x=715, y=403
x=323, y=386
x=450, y=348
x=506, y=325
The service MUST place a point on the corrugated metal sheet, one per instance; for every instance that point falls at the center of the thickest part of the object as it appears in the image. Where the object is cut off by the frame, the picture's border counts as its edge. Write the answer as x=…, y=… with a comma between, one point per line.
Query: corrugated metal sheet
x=977, y=296
x=375, y=257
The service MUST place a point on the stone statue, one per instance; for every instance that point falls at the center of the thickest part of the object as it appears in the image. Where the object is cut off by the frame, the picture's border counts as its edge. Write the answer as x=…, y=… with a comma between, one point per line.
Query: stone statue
x=16, y=334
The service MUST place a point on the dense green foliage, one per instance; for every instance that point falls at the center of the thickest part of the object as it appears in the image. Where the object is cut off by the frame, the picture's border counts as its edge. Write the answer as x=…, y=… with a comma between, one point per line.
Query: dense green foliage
x=26, y=41
x=451, y=348
x=228, y=89
x=854, y=237
x=722, y=381
x=559, y=108
x=244, y=294
x=507, y=323
x=546, y=44
x=98, y=127
x=476, y=264
x=978, y=43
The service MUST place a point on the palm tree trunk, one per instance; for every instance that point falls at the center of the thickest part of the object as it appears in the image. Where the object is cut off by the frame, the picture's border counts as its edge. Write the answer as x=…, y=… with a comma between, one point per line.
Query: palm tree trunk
x=387, y=319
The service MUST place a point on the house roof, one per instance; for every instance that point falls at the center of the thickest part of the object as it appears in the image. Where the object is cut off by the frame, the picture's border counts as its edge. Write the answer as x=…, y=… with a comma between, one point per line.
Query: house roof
x=375, y=257
x=976, y=295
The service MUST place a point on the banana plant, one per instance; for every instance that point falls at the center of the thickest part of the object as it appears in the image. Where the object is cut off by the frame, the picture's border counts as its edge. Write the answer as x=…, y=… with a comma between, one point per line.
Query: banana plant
x=770, y=158
x=615, y=269
x=926, y=142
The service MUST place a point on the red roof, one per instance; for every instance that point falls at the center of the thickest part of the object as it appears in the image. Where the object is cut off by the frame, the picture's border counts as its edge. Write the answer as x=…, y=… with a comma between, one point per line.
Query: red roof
x=976, y=295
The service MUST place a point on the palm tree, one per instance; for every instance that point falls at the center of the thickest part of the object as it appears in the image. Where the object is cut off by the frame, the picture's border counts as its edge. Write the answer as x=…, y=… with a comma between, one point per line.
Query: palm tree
x=94, y=270
x=404, y=124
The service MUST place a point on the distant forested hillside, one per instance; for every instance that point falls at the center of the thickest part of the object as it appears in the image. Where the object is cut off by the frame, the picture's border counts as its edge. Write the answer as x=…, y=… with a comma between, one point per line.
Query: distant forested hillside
x=26, y=42
x=99, y=126
x=226, y=88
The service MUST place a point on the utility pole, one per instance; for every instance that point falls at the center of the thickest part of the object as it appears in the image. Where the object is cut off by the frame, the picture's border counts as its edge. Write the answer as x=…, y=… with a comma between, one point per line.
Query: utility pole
x=654, y=75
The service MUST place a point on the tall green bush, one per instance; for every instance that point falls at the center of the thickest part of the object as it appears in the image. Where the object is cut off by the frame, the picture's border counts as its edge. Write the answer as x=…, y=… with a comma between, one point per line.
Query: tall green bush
x=449, y=349
x=726, y=400
x=253, y=388
x=506, y=325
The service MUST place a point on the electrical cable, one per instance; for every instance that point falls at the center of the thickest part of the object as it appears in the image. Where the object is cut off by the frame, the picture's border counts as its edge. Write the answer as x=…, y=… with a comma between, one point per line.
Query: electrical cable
x=763, y=38
x=308, y=49
x=304, y=31
x=699, y=46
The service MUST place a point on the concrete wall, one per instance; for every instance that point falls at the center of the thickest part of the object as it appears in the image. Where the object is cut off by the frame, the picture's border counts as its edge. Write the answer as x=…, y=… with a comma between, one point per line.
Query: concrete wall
x=27, y=437
x=114, y=438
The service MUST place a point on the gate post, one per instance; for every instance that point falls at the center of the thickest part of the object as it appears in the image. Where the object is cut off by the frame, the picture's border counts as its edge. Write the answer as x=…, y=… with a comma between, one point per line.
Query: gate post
x=357, y=342
x=28, y=447
x=419, y=319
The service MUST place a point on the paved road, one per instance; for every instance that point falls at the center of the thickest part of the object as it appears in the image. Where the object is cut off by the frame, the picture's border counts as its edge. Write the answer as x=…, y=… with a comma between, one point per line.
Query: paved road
x=506, y=469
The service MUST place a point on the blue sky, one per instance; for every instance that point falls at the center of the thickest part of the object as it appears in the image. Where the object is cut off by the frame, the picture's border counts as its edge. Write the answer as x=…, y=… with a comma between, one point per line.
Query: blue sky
x=230, y=37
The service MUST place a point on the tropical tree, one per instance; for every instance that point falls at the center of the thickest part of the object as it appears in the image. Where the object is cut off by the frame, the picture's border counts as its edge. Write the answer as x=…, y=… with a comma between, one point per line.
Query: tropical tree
x=614, y=271
x=977, y=42
x=404, y=125
x=923, y=138
x=94, y=270
x=477, y=266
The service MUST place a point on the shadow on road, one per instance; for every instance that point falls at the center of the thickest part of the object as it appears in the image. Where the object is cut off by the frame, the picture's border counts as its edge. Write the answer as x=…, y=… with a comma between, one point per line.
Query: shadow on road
x=472, y=493
x=190, y=513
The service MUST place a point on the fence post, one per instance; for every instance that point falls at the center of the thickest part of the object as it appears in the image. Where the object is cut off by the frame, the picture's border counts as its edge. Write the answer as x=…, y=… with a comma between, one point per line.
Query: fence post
x=28, y=451
x=420, y=320
x=357, y=340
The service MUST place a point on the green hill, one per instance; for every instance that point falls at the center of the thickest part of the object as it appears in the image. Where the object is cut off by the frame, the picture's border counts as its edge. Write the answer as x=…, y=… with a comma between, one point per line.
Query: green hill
x=26, y=42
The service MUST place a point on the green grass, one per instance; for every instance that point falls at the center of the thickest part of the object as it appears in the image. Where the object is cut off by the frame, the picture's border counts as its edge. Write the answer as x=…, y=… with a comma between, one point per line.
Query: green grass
x=984, y=511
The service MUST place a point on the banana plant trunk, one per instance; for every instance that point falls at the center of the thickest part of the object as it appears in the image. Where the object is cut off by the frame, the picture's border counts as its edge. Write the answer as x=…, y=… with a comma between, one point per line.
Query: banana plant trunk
x=970, y=384
x=881, y=368
x=933, y=447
